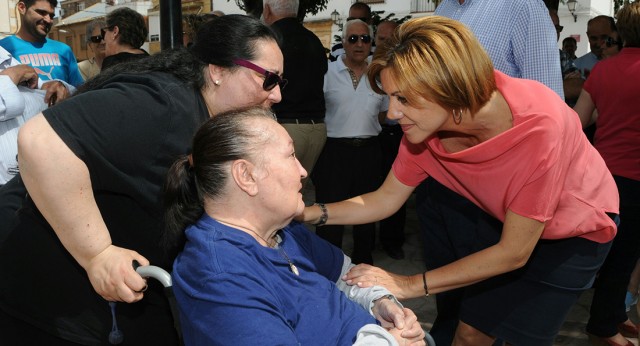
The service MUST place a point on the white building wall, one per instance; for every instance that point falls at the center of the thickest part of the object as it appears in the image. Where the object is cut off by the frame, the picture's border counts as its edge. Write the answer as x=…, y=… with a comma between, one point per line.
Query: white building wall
x=8, y=21
x=154, y=25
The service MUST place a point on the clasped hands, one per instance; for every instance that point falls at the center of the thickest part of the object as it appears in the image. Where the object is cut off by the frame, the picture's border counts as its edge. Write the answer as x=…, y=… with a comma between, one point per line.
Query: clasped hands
x=402, y=323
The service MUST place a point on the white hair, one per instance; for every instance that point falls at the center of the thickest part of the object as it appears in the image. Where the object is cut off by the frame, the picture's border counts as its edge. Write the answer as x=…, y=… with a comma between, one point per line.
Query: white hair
x=350, y=23
x=282, y=7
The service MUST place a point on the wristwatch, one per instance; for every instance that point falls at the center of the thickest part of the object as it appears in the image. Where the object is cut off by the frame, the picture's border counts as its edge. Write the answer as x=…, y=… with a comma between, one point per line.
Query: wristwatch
x=387, y=296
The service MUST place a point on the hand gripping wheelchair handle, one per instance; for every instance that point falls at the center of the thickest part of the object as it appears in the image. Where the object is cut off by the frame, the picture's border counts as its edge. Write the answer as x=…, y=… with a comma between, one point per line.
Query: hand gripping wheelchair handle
x=164, y=278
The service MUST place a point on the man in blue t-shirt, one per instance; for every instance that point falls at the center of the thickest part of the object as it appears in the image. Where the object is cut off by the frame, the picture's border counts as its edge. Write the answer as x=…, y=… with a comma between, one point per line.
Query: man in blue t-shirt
x=30, y=45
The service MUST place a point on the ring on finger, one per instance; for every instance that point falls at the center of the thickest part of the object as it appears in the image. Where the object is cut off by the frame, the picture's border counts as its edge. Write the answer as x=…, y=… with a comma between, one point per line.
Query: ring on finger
x=143, y=289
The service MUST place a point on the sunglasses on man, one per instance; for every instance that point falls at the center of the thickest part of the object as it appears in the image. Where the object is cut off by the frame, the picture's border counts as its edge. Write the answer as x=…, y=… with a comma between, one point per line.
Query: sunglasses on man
x=271, y=79
x=354, y=38
x=610, y=42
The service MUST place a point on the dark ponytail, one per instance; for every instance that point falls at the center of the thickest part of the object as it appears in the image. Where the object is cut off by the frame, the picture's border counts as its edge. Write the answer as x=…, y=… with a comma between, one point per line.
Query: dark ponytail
x=182, y=203
x=222, y=139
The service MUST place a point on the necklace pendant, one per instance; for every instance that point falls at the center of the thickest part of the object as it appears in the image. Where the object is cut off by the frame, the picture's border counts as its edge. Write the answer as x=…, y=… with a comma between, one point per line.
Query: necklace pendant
x=294, y=269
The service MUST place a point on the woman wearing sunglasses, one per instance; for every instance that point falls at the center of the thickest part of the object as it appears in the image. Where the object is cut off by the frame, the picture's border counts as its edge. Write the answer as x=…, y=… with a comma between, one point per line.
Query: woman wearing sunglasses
x=124, y=34
x=91, y=67
x=523, y=159
x=612, y=91
x=350, y=161
x=94, y=167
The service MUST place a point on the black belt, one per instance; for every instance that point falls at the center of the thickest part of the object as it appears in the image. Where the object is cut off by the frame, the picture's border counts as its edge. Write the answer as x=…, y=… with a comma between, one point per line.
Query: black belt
x=355, y=142
x=391, y=130
x=301, y=121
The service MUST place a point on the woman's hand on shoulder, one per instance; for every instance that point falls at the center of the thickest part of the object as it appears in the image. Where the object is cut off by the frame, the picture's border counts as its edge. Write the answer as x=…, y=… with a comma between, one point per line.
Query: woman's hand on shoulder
x=113, y=277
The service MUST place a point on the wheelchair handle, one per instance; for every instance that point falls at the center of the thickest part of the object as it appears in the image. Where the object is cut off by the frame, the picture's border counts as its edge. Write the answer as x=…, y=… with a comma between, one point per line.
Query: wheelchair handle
x=156, y=273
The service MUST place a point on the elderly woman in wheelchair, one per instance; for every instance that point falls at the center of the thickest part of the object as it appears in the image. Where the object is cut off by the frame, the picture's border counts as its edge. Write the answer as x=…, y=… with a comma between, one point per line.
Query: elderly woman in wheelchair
x=247, y=274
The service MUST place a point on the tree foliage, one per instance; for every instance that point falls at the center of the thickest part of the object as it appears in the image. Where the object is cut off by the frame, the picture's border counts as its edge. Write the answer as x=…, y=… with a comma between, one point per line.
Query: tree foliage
x=617, y=4
x=254, y=7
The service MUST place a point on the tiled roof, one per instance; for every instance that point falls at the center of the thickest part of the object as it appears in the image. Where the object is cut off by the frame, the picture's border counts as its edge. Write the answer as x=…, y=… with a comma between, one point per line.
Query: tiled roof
x=88, y=14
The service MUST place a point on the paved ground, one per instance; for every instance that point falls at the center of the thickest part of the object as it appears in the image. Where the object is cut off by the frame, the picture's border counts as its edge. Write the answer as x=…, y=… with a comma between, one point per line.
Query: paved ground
x=571, y=334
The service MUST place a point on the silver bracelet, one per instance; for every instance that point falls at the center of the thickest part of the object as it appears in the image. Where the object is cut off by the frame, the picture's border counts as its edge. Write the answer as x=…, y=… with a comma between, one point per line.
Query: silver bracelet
x=324, y=217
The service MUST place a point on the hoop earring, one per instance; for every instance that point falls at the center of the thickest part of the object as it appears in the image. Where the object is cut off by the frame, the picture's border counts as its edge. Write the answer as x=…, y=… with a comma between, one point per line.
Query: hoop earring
x=457, y=119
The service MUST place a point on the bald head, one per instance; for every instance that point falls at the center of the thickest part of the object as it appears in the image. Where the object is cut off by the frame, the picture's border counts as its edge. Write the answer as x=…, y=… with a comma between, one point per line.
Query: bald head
x=384, y=31
x=360, y=10
x=598, y=29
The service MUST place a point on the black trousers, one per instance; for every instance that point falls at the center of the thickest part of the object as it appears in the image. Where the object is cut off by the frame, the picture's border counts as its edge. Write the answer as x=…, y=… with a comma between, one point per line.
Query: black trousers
x=452, y=228
x=347, y=169
x=391, y=228
x=18, y=332
x=607, y=307
x=11, y=196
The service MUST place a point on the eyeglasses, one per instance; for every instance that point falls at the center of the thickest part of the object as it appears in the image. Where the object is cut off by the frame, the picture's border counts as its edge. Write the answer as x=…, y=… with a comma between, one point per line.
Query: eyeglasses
x=44, y=13
x=271, y=79
x=103, y=31
x=96, y=39
x=559, y=28
x=610, y=42
x=354, y=38
x=364, y=19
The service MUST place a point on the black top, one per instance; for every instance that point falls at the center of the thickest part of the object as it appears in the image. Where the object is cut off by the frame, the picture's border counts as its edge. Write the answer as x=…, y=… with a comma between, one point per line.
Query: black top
x=335, y=47
x=122, y=57
x=305, y=63
x=128, y=134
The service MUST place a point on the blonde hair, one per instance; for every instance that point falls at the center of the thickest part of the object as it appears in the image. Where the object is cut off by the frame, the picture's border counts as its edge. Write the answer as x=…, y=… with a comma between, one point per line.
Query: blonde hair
x=629, y=24
x=437, y=59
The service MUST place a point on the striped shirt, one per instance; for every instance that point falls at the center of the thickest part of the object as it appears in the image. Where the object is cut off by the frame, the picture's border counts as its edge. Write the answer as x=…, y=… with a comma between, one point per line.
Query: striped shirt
x=518, y=35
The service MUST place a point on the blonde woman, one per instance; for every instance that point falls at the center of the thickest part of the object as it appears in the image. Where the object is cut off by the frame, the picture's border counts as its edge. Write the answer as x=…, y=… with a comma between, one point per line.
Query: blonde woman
x=523, y=159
